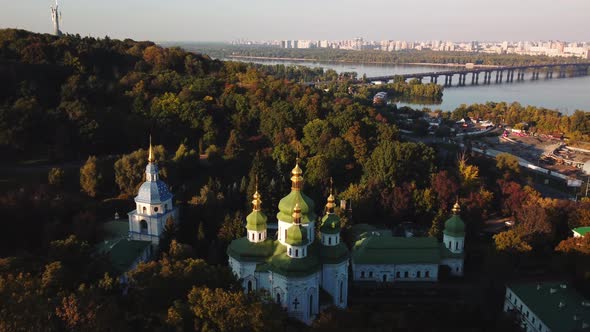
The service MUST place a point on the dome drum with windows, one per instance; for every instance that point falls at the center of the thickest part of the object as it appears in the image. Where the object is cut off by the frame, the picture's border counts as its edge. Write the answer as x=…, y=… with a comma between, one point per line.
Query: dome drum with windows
x=455, y=226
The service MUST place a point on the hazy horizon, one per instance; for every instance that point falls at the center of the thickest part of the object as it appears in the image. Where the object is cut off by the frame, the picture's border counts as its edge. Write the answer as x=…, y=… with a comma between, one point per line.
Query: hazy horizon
x=224, y=20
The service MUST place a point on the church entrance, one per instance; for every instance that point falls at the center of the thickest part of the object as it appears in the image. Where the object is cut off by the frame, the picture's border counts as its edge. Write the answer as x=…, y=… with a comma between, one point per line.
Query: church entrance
x=143, y=227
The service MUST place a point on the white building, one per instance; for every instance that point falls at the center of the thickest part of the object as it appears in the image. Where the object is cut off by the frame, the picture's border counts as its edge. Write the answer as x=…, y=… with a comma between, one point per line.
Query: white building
x=377, y=256
x=153, y=206
x=548, y=307
x=130, y=243
x=293, y=267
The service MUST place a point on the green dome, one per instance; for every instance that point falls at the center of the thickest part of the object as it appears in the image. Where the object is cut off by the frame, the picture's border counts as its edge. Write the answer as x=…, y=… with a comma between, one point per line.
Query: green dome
x=296, y=235
x=330, y=224
x=256, y=221
x=288, y=202
x=455, y=226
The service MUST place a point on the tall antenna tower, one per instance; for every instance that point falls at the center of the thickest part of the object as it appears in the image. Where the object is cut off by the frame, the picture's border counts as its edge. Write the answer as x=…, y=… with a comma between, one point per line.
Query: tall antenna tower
x=56, y=18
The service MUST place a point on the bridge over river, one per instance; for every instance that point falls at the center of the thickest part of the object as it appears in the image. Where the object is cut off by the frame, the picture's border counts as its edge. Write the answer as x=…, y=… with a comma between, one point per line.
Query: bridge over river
x=562, y=70
x=498, y=74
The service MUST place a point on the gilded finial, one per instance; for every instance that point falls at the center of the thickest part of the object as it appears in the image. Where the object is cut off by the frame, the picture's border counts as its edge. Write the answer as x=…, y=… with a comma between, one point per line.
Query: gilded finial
x=296, y=177
x=457, y=207
x=331, y=200
x=256, y=202
x=331, y=186
x=151, y=153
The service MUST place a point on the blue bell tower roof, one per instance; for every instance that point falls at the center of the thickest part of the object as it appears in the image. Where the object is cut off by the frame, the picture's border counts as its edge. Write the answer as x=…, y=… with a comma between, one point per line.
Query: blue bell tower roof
x=153, y=190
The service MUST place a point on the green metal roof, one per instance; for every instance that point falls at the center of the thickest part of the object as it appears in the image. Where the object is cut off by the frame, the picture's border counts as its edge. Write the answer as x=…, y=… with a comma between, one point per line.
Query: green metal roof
x=330, y=224
x=546, y=305
x=296, y=235
x=396, y=250
x=287, y=203
x=116, y=229
x=334, y=254
x=244, y=250
x=125, y=252
x=454, y=226
x=256, y=221
x=295, y=267
x=582, y=230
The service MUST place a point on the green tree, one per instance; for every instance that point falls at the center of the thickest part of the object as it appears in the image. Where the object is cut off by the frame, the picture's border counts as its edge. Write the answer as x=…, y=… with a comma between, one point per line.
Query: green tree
x=508, y=163
x=233, y=148
x=130, y=169
x=232, y=228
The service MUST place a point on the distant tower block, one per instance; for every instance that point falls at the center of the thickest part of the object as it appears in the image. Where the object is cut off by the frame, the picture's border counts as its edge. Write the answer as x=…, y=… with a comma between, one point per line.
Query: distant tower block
x=56, y=18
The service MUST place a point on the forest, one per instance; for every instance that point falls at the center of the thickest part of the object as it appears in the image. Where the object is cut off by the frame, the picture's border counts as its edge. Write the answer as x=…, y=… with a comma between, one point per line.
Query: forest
x=76, y=114
x=221, y=51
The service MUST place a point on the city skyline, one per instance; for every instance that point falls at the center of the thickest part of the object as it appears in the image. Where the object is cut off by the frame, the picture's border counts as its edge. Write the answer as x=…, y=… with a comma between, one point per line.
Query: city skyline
x=181, y=20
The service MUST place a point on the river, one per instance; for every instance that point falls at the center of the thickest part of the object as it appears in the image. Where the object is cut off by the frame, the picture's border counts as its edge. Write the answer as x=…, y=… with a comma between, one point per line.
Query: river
x=565, y=95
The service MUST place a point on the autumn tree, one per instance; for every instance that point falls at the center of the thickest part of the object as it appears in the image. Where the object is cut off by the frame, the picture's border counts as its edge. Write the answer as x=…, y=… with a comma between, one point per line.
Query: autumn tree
x=90, y=178
x=56, y=176
x=222, y=310
x=446, y=189
x=511, y=242
x=580, y=245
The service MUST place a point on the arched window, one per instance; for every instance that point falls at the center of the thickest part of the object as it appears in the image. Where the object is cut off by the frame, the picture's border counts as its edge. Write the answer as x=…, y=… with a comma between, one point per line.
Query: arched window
x=144, y=209
x=456, y=245
x=330, y=240
x=278, y=298
x=259, y=236
x=249, y=286
x=362, y=274
x=450, y=245
x=370, y=274
x=418, y=274
x=252, y=236
x=143, y=227
x=296, y=252
x=406, y=274
x=285, y=239
x=427, y=274
x=289, y=251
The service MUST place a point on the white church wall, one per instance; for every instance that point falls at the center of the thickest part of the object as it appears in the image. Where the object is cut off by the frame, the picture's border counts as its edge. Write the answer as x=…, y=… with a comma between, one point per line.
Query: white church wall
x=395, y=272
x=455, y=265
x=334, y=276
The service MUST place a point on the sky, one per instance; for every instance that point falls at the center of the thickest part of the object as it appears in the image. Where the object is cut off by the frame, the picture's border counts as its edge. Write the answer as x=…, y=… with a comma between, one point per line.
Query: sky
x=225, y=20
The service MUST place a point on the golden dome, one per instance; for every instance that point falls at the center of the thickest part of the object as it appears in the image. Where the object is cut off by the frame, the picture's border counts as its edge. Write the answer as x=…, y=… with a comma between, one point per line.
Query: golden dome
x=256, y=202
x=457, y=208
x=331, y=203
x=296, y=177
x=297, y=214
